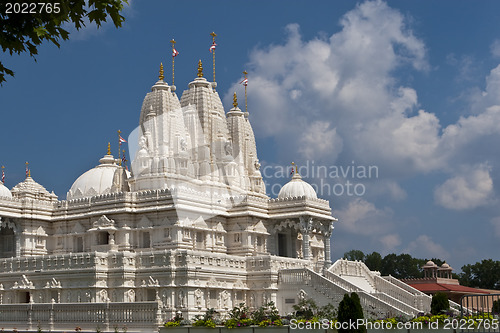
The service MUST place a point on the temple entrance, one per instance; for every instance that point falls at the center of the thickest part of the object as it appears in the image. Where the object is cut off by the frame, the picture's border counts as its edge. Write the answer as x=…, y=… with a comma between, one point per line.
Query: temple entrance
x=7, y=243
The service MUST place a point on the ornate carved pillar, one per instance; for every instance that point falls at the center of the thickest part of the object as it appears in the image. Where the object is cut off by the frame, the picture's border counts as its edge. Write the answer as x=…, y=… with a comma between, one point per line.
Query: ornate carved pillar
x=326, y=240
x=305, y=229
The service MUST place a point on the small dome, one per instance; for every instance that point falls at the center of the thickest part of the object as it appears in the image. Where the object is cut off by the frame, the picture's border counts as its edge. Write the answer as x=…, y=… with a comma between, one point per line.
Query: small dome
x=430, y=263
x=445, y=265
x=4, y=191
x=297, y=188
x=96, y=181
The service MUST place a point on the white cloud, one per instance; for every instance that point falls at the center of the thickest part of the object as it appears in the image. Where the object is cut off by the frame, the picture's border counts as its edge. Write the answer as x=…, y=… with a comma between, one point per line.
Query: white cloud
x=472, y=188
x=495, y=48
x=318, y=139
x=390, y=242
x=424, y=247
x=387, y=188
x=363, y=218
x=346, y=81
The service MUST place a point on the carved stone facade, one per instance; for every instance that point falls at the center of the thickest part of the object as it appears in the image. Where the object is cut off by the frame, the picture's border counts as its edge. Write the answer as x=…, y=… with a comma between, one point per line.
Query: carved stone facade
x=190, y=226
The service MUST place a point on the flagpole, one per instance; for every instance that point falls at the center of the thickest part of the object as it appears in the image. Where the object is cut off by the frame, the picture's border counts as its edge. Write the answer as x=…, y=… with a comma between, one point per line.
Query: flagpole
x=119, y=147
x=246, y=83
x=173, y=60
x=124, y=159
x=213, y=34
x=3, y=175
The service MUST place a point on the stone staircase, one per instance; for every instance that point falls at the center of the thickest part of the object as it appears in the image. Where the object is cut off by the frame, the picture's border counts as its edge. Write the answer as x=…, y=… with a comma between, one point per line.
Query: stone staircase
x=380, y=297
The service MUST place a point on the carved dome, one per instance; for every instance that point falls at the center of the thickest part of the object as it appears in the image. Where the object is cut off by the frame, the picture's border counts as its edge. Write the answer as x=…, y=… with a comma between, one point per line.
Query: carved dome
x=297, y=188
x=105, y=178
x=4, y=191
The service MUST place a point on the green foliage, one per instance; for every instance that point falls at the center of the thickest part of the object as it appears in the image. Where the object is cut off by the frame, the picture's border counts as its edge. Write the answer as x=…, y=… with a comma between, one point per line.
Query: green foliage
x=327, y=312
x=267, y=311
x=496, y=307
x=232, y=323
x=374, y=261
x=172, y=323
x=354, y=255
x=239, y=312
x=484, y=274
x=21, y=32
x=350, y=310
x=208, y=319
x=402, y=266
x=305, y=309
x=439, y=303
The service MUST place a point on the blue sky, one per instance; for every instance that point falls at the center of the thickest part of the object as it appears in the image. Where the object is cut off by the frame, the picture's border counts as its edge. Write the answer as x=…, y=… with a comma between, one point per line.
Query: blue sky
x=410, y=87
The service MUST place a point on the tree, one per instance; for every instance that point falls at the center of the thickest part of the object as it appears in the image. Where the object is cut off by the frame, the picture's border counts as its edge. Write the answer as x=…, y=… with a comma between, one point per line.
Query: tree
x=402, y=266
x=484, y=274
x=374, y=261
x=355, y=255
x=439, y=303
x=350, y=311
x=21, y=32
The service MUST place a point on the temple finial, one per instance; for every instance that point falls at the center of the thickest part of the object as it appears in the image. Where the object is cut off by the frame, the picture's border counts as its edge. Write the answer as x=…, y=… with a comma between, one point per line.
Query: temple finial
x=161, y=77
x=200, y=69
x=109, y=148
x=235, y=100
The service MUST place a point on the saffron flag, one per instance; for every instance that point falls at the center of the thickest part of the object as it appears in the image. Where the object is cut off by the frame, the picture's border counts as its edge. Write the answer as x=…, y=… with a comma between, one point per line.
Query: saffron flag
x=121, y=140
x=175, y=53
x=212, y=47
x=244, y=82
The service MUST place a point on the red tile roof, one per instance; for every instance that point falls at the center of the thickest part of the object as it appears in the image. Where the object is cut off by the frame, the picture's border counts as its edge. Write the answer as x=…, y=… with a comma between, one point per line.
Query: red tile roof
x=435, y=287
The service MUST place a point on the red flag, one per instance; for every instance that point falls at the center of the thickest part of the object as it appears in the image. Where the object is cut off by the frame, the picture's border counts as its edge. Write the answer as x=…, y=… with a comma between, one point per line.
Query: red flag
x=175, y=53
x=27, y=170
x=120, y=139
x=244, y=82
x=212, y=47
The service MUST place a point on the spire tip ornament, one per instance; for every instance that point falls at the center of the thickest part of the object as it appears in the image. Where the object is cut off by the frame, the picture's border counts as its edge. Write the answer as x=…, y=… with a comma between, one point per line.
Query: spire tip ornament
x=200, y=69
x=161, y=76
x=235, y=100
x=109, y=148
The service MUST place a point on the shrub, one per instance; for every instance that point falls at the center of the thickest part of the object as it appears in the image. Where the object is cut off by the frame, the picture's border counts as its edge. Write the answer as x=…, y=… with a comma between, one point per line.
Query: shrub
x=439, y=303
x=350, y=310
x=496, y=307
x=305, y=309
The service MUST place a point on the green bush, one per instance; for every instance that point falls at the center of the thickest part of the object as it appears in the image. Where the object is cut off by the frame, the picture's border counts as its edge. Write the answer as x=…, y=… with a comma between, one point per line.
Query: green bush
x=439, y=303
x=496, y=307
x=350, y=311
